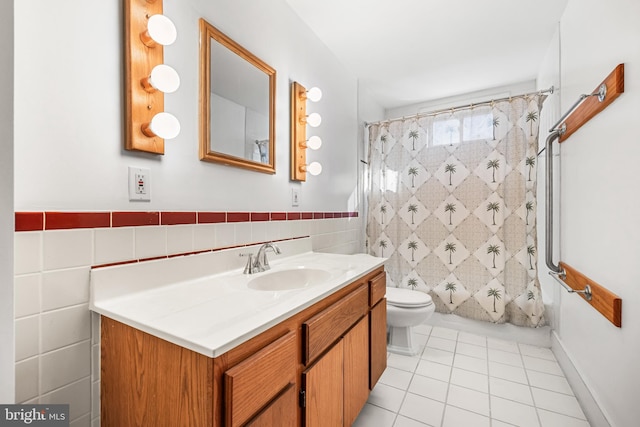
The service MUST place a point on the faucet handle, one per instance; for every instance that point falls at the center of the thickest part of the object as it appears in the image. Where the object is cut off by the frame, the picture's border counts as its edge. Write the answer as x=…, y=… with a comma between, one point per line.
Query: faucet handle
x=249, y=268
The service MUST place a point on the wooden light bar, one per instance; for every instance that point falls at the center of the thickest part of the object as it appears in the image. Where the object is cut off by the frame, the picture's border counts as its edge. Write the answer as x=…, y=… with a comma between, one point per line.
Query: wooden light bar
x=298, y=131
x=140, y=105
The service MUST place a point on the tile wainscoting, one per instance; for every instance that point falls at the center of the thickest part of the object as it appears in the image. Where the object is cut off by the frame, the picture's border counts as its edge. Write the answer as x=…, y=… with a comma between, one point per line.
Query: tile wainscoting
x=57, y=337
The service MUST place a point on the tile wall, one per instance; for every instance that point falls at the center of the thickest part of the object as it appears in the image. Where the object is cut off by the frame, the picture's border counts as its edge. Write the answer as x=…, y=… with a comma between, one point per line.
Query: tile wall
x=57, y=337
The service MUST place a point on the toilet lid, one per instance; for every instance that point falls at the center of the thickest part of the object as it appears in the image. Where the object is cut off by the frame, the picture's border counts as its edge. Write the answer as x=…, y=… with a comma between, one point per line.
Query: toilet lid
x=407, y=298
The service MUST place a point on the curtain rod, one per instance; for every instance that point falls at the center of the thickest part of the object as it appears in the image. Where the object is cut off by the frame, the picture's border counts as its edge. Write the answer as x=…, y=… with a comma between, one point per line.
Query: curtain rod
x=461, y=107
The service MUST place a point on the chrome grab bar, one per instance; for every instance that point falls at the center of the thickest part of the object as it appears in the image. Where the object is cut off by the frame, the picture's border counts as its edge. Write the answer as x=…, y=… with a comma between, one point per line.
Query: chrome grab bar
x=560, y=279
x=556, y=271
x=549, y=203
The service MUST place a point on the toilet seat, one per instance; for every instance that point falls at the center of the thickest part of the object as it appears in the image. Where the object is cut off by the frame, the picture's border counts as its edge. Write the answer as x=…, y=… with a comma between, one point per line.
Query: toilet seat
x=407, y=298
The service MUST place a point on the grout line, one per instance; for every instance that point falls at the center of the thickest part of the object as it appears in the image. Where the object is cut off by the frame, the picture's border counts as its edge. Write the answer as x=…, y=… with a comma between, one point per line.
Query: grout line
x=488, y=382
x=446, y=401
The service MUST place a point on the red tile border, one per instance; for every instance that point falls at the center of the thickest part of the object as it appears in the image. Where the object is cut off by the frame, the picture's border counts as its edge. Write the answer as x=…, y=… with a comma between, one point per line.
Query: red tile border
x=188, y=253
x=154, y=258
x=113, y=264
x=211, y=217
x=134, y=219
x=259, y=216
x=29, y=221
x=238, y=216
x=38, y=221
x=70, y=220
x=176, y=218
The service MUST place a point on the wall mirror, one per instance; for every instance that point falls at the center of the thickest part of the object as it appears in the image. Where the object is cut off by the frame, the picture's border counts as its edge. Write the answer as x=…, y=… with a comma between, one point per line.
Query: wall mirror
x=237, y=104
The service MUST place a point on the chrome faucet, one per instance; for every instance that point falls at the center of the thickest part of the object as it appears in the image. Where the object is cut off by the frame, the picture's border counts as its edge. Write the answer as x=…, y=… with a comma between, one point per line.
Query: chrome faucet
x=260, y=262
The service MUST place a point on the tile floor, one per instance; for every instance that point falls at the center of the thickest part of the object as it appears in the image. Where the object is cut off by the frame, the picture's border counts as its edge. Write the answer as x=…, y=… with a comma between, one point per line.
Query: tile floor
x=467, y=380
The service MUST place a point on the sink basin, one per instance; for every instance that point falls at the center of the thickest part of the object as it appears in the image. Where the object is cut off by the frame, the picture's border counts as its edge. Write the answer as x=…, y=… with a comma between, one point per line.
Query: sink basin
x=285, y=280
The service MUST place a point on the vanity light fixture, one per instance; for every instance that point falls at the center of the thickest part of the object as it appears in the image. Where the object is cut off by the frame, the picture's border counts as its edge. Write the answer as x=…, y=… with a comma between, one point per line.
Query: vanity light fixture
x=147, y=78
x=314, y=143
x=314, y=94
x=162, y=78
x=163, y=125
x=160, y=30
x=314, y=120
x=314, y=168
x=299, y=122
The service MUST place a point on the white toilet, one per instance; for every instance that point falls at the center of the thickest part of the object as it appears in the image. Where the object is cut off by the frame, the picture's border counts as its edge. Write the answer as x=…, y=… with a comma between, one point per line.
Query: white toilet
x=405, y=309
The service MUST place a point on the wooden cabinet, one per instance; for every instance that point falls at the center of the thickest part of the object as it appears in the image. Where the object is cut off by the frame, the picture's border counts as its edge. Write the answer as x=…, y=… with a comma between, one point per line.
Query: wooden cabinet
x=329, y=325
x=254, y=382
x=336, y=386
x=334, y=351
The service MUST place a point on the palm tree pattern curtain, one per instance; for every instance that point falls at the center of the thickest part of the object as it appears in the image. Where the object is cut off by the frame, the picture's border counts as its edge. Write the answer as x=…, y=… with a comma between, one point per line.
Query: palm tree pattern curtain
x=452, y=205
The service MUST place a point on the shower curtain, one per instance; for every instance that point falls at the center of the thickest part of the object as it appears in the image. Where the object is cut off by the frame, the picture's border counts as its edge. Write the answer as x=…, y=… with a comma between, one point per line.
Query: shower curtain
x=452, y=199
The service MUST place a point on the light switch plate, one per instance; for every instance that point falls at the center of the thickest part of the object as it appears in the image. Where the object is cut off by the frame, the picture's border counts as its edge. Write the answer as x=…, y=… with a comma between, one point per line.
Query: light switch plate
x=295, y=197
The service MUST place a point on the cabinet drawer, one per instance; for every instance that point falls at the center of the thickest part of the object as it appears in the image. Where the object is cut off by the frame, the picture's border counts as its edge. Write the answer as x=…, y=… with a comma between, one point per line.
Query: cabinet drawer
x=252, y=383
x=326, y=327
x=377, y=288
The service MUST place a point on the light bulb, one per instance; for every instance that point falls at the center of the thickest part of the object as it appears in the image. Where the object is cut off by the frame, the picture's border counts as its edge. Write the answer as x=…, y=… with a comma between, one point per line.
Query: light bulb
x=314, y=94
x=314, y=120
x=164, y=125
x=314, y=168
x=314, y=142
x=163, y=78
x=161, y=30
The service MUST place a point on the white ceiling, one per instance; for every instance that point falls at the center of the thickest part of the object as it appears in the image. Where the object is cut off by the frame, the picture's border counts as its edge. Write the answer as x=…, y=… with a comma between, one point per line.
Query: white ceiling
x=409, y=51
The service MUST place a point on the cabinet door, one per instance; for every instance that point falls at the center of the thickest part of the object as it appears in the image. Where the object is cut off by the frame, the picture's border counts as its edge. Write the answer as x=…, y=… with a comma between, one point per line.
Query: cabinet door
x=279, y=413
x=254, y=382
x=378, y=344
x=324, y=393
x=356, y=370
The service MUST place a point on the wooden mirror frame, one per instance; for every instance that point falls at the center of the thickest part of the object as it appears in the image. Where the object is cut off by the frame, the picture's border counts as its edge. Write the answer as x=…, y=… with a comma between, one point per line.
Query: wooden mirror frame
x=208, y=33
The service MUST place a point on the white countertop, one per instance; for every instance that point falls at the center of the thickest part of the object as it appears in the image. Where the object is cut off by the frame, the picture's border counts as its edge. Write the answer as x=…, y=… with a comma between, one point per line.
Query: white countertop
x=176, y=300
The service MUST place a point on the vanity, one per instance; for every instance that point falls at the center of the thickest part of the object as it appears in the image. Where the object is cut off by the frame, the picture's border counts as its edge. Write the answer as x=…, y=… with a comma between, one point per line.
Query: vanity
x=192, y=341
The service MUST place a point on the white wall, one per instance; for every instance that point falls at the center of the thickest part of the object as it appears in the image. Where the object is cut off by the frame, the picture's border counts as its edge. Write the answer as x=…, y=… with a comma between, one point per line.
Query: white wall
x=6, y=203
x=69, y=126
x=600, y=201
